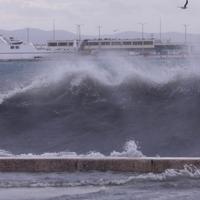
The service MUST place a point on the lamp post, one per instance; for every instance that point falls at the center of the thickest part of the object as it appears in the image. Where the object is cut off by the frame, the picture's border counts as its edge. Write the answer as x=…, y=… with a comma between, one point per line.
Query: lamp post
x=54, y=30
x=79, y=31
x=142, y=29
x=99, y=31
x=142, y=34
x=27, y=35
x=160, y=30
x=186, y=29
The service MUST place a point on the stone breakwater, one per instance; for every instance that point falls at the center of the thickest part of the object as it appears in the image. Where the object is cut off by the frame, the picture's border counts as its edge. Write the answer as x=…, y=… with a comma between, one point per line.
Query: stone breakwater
x=138, y=165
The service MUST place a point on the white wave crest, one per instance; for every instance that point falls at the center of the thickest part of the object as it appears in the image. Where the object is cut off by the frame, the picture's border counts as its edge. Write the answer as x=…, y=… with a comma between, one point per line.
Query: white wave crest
x=111, y=71
x=130, y=150
x=22, y=89
x=4, y=153
x=189, y=171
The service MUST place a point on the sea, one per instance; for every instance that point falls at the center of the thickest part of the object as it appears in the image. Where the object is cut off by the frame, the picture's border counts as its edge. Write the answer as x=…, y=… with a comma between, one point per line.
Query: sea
x=100, y=106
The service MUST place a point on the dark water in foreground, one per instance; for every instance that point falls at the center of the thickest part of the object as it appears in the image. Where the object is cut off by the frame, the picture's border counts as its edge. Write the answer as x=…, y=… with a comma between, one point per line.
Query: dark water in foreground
x=70, y=108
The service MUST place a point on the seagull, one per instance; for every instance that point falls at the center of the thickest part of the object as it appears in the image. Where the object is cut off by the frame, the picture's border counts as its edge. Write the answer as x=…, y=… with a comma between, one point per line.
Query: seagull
x=185, y=6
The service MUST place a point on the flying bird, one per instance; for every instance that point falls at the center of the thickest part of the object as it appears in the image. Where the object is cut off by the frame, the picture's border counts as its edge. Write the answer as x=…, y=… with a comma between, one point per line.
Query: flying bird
x=185, y=6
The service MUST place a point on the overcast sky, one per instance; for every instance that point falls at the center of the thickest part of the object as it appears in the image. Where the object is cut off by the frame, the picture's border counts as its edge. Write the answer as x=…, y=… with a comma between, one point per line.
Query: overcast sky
x=123, y=15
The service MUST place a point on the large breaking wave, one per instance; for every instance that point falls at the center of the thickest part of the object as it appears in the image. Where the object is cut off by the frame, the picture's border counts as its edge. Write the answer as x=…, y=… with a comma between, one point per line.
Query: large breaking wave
x=99, y=104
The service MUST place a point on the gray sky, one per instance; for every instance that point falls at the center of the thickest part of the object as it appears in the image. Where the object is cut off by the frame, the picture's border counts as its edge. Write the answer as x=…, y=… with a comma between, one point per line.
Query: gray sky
x=111, y=14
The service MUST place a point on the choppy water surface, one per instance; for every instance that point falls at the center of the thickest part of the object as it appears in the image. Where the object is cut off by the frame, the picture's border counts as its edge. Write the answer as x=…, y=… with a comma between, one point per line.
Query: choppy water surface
x=184, y=184
x=98, y=107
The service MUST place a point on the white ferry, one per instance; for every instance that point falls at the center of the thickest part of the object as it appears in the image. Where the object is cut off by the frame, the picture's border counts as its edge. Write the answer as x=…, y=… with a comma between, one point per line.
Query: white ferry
x=136, y=47
x=12, y=49
x=117, y=44
x=93, y=45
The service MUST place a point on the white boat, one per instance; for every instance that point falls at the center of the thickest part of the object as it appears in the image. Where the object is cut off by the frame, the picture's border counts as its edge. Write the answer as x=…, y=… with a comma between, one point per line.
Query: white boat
x=12, y=49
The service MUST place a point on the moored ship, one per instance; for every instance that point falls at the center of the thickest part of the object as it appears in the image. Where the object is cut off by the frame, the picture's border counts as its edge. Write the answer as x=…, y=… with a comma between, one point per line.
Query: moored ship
x=136, y=47
x=12, y=49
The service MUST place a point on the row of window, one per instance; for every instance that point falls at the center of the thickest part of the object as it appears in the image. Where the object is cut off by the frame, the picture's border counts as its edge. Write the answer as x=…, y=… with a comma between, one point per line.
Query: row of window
x=14, y=47
x=60, y=44
x=136, y=43
x=104, y=43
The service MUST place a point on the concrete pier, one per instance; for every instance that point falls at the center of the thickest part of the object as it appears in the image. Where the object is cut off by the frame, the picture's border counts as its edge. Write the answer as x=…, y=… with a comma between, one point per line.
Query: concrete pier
x=138, y=165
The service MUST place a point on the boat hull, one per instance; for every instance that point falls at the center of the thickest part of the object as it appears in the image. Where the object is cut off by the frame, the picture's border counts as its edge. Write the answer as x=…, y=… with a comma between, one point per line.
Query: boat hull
x=19, y=56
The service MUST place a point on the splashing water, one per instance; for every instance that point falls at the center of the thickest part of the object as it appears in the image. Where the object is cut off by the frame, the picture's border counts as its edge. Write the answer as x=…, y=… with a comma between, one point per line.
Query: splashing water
x=84, y=104
x=130, y=150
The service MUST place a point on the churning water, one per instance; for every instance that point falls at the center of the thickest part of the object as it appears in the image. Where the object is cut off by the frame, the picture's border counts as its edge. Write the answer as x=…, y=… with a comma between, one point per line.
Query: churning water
x=172, y=184
x=92, y=107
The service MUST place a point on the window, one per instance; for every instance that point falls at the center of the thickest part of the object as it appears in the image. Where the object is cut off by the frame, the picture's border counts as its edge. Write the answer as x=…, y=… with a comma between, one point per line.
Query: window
x=148, y=42
x=93, y=43
x=52, y=44
x=116, y=43
x=16, y=47
x=105, y=43
x=62, y=44
x=12, y=47
x=137, y=43
x=70, y=44
x=127, y=43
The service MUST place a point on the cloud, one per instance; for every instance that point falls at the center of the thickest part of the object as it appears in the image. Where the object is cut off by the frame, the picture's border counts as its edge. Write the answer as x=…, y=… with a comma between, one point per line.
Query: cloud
x=111, y=14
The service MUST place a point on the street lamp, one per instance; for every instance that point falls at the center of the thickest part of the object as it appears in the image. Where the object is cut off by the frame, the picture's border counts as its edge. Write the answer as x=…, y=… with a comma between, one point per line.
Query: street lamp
x=142, y=27
x=99, y=29
x=79, y=31
x=186, y=29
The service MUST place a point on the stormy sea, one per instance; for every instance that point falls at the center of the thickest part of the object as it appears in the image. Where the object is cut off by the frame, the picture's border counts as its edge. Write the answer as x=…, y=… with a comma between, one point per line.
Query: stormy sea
x=98, y=107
